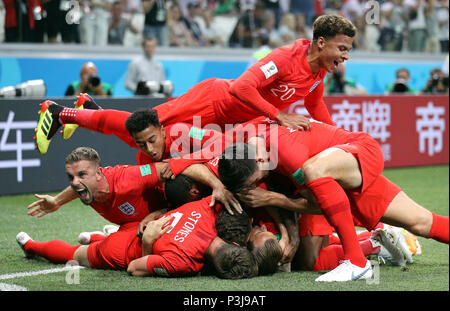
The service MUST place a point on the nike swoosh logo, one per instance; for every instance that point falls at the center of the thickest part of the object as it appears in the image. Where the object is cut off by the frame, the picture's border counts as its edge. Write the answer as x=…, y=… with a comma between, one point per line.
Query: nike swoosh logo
x=358, y=276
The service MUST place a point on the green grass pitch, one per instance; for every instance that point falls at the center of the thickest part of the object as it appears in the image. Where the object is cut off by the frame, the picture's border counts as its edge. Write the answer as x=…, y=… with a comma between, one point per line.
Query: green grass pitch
x=426, y=185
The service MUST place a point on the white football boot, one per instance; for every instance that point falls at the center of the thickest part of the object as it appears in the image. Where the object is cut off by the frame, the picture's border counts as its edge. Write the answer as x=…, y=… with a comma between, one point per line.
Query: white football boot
x=22, y=238
x=346, y=271
x=84, y=238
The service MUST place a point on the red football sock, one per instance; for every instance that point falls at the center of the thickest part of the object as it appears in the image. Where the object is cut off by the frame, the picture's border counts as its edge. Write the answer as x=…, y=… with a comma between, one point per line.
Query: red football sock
x=105, y=121
x=55, y=251
x=329, y=256
x=336, y=208
x=439, y=228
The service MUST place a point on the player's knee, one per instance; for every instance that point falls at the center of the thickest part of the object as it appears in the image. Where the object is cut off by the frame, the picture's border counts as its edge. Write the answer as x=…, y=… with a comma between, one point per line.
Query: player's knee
x=313, y=170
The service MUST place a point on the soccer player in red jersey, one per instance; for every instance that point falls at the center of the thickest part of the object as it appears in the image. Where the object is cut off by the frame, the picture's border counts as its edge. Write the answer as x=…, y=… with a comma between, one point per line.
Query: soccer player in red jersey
x=336, y=165
x=284, y=76
x=193, y=238
x=196, y=233
x=156, y=142
x=120, y=194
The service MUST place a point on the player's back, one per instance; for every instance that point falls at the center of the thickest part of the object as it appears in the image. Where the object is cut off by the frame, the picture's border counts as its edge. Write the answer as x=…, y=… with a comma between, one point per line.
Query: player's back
x=193, y=229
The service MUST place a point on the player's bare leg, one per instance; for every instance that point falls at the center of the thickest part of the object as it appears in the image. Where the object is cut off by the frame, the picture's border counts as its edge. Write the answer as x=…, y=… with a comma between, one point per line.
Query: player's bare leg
x=404, y=212
x=81, y=256
x=336, y=163
x=326, y=175
x=308, y=250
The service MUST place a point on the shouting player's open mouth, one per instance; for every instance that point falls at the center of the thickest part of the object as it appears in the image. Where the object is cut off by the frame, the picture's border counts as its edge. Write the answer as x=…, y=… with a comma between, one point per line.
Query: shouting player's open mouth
x=84, y=194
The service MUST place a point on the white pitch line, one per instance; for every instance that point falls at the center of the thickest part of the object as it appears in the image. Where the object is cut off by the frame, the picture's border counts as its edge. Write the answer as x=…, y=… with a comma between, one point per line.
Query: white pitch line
x=32, y=273
x=12, y=287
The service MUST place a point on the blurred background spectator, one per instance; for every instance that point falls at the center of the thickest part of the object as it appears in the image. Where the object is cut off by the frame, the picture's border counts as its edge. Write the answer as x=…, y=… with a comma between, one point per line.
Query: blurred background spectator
x=118, y=24
x=302, y=30
x=436, y=83
x=443, y=19
x=155, y=24
x=23, y=20
x=210, y=31
x=249, y=24
x=339, y=83
x=90, y=83
x=404, y=25
x=144, y=68
x=262, y=51
x=287, y=29
x=179, y=34
x=417, y=26
x=193, y=12
x=94, y=22
x=401, y=83
x=305, y=7
x=393, y=25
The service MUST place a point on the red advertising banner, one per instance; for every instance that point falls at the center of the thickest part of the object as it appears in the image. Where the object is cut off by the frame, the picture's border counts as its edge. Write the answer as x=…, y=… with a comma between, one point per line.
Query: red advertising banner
x=411, y=130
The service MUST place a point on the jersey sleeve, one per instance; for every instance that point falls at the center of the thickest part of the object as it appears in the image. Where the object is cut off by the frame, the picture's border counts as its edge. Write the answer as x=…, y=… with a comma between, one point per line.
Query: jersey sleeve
x=272, y=67
x=162, y=265
x=316, y=106
x=208, y=143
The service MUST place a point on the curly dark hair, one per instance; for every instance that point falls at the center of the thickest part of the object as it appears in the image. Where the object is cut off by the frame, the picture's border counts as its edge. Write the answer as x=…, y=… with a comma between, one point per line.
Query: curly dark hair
x=233, y=228
x=329, y=26
x=141, y=119
x=236, y=165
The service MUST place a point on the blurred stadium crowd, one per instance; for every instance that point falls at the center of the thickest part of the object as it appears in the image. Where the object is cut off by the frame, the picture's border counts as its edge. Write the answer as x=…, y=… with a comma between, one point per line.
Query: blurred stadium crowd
x=387, y=25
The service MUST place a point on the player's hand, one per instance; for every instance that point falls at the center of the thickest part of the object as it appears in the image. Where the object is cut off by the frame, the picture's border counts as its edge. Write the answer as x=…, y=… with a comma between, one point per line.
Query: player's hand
x=46, y=204
x=152, y=216
x=166, y=172
x=156, y=228
x=294, y=121
x=257, y=197
x=224, y=196
x=289, y=248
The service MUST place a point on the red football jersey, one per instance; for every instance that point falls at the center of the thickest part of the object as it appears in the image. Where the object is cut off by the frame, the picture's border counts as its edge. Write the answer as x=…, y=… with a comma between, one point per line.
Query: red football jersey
x=129, y=198
x=181, y=250
x=185, y=139
x=275, y=82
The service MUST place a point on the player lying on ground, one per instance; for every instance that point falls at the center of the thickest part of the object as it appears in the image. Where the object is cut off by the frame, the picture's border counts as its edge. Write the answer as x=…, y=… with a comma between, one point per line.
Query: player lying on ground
x=283, y=77
x=179, y=243
x=334, y=165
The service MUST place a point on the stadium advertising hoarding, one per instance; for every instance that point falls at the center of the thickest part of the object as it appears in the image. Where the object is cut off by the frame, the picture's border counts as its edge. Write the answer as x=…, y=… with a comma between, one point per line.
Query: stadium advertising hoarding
x=412, y=131
x=24, y=170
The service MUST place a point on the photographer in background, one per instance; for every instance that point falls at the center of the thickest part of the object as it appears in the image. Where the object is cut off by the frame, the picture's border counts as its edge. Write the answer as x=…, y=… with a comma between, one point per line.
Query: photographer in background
x=144, y=68
x=400, y=85
x=338, y=83
x=90, y=83
x=437, y=83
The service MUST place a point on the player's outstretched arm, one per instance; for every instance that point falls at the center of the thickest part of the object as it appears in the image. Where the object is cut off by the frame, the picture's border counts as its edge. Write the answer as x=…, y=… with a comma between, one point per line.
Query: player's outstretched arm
x=49, y=204
x=259, y=197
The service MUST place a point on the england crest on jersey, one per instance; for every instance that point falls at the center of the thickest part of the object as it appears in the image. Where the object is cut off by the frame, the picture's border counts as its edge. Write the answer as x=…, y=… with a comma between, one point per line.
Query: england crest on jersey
x=127, y=208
